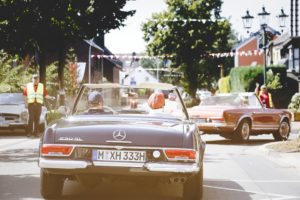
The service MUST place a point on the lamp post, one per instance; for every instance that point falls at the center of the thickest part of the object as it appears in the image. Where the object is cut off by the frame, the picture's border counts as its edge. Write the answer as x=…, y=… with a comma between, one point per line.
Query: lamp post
x=263, y=19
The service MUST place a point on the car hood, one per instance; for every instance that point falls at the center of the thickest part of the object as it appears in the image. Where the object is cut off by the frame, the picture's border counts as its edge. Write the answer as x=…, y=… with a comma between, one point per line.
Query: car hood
x=139, y=132
x=12, y=109
x=213, y=111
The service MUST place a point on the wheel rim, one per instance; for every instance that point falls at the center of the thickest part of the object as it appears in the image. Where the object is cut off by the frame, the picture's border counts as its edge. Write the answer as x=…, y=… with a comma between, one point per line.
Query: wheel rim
x=245, y=131
x=284, y=129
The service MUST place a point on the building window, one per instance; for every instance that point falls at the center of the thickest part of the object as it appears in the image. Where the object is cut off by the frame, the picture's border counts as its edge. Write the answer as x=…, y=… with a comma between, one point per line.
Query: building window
x=291, y=67
x=296, y=59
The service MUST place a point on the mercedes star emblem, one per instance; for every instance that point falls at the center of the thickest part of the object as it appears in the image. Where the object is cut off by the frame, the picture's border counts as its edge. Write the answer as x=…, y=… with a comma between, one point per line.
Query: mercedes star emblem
x=119, y=135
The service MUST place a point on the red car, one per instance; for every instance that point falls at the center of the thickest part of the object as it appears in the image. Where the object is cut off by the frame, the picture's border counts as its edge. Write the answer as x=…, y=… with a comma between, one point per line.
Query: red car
x=239, y=115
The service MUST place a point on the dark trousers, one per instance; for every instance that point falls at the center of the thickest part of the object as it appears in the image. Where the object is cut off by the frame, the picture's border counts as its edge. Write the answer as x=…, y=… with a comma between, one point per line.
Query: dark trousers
x=34, y=111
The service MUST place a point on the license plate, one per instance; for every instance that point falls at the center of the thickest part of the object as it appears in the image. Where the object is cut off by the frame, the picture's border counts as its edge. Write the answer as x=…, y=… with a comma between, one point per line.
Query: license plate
x=119, y=155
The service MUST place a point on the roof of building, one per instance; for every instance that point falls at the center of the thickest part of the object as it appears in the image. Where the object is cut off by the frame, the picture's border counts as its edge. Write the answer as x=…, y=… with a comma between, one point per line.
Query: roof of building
x=252, y=36
x=105, y=51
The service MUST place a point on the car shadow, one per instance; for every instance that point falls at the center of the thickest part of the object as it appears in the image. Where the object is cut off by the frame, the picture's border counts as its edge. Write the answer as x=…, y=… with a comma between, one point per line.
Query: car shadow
x=122, y=190
x=12, y=133
x=27, y=186
x=251, y=142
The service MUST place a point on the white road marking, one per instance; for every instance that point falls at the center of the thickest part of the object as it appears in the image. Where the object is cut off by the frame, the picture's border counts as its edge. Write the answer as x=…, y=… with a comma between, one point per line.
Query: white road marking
x=258, y=181
x=277, y=196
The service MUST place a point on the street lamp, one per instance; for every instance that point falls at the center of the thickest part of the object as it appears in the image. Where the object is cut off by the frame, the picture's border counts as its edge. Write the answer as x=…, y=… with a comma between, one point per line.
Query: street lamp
x=263, y=19
x=247, y=21
x=282, y=19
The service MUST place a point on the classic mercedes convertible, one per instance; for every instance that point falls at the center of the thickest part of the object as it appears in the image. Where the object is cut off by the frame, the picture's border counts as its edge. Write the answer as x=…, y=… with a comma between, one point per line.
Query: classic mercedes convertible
x=140, y=133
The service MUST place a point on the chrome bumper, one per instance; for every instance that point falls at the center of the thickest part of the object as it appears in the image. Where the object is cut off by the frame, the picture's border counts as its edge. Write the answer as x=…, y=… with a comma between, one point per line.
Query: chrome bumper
x=150, y=167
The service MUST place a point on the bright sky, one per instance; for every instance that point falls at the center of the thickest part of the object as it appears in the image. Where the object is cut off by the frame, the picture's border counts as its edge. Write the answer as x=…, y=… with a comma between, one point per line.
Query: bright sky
x=129, y=38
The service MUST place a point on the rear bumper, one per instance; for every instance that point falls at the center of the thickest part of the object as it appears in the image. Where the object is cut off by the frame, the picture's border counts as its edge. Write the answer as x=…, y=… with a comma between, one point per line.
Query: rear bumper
x=86, y=166
x=12, y=125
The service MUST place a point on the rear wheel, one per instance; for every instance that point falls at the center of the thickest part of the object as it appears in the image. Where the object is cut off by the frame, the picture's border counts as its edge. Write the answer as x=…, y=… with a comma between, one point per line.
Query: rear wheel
x=51, y=185
x=193, y=188
x=242, y=133
x=283, y=131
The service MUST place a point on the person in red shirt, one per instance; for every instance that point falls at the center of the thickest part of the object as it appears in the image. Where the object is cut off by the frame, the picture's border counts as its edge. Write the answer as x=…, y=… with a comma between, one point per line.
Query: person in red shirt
x=264, y=96
x=34, y=94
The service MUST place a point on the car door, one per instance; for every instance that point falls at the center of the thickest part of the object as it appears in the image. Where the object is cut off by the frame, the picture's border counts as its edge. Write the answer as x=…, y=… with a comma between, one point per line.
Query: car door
x=263, y=118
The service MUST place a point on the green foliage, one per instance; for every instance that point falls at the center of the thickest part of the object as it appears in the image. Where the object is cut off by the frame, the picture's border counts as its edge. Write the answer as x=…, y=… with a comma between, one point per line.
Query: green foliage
x=53, y=115
x=241, y=78
x=45, y=25
x=224, y=84
x=244, y=78
x=148, y=63
x=13, y=76
x=40, y=28
x=274, y=81
x=185, y=31
x=295, y=103
x=70, y=75
x=52, y=79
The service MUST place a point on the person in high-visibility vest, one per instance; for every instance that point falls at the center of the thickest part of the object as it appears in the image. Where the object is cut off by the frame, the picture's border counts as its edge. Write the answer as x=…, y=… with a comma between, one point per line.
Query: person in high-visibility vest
x=34, y=94
x=264, y=96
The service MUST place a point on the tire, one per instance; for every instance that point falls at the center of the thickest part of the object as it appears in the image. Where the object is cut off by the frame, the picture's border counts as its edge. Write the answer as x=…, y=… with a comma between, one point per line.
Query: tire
x=242, y=133
x=283, y=131
x=193, y=188
x=51, y=185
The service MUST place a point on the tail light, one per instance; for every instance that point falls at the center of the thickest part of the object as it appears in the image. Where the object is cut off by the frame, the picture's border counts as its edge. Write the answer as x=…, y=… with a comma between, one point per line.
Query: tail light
x=56, y=150
x=180, y=154
x=217, y=119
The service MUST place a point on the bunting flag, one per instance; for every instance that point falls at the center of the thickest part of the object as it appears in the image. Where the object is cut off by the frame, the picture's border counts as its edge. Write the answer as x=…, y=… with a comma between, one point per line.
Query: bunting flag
x=187, y=20
x=214, y=55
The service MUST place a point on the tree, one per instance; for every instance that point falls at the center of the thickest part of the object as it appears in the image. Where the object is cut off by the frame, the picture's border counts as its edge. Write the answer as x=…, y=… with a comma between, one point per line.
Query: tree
x=189, y=31
x=42, y=27
x=13, y=77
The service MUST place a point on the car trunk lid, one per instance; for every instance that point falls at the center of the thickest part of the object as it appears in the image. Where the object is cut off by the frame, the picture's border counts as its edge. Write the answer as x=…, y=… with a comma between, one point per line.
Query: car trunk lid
x=203, y=112
x=131, y=132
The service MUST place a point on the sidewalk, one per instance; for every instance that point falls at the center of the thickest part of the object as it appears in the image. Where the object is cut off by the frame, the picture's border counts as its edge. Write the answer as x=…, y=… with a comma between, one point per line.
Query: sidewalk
x=286, y=159
x=295, y=126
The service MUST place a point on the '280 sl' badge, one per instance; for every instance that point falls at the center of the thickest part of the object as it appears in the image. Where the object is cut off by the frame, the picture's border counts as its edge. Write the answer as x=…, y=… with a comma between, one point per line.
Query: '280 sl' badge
x=119, y=135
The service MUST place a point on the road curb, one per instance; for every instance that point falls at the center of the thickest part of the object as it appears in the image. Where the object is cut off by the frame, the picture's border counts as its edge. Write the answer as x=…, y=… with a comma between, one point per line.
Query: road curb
x=286, y=159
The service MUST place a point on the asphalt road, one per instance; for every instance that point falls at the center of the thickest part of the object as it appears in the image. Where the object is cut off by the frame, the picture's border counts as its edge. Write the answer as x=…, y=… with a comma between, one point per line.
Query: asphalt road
x=231, y=171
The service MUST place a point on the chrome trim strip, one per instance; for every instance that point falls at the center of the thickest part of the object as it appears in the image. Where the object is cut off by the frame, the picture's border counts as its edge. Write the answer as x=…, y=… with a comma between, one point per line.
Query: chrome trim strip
x=119, y=147
x=62, y=164
x=176, y=168
x=213, y=124
x=151, y=167
x=118, y=164
x=120, y=142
